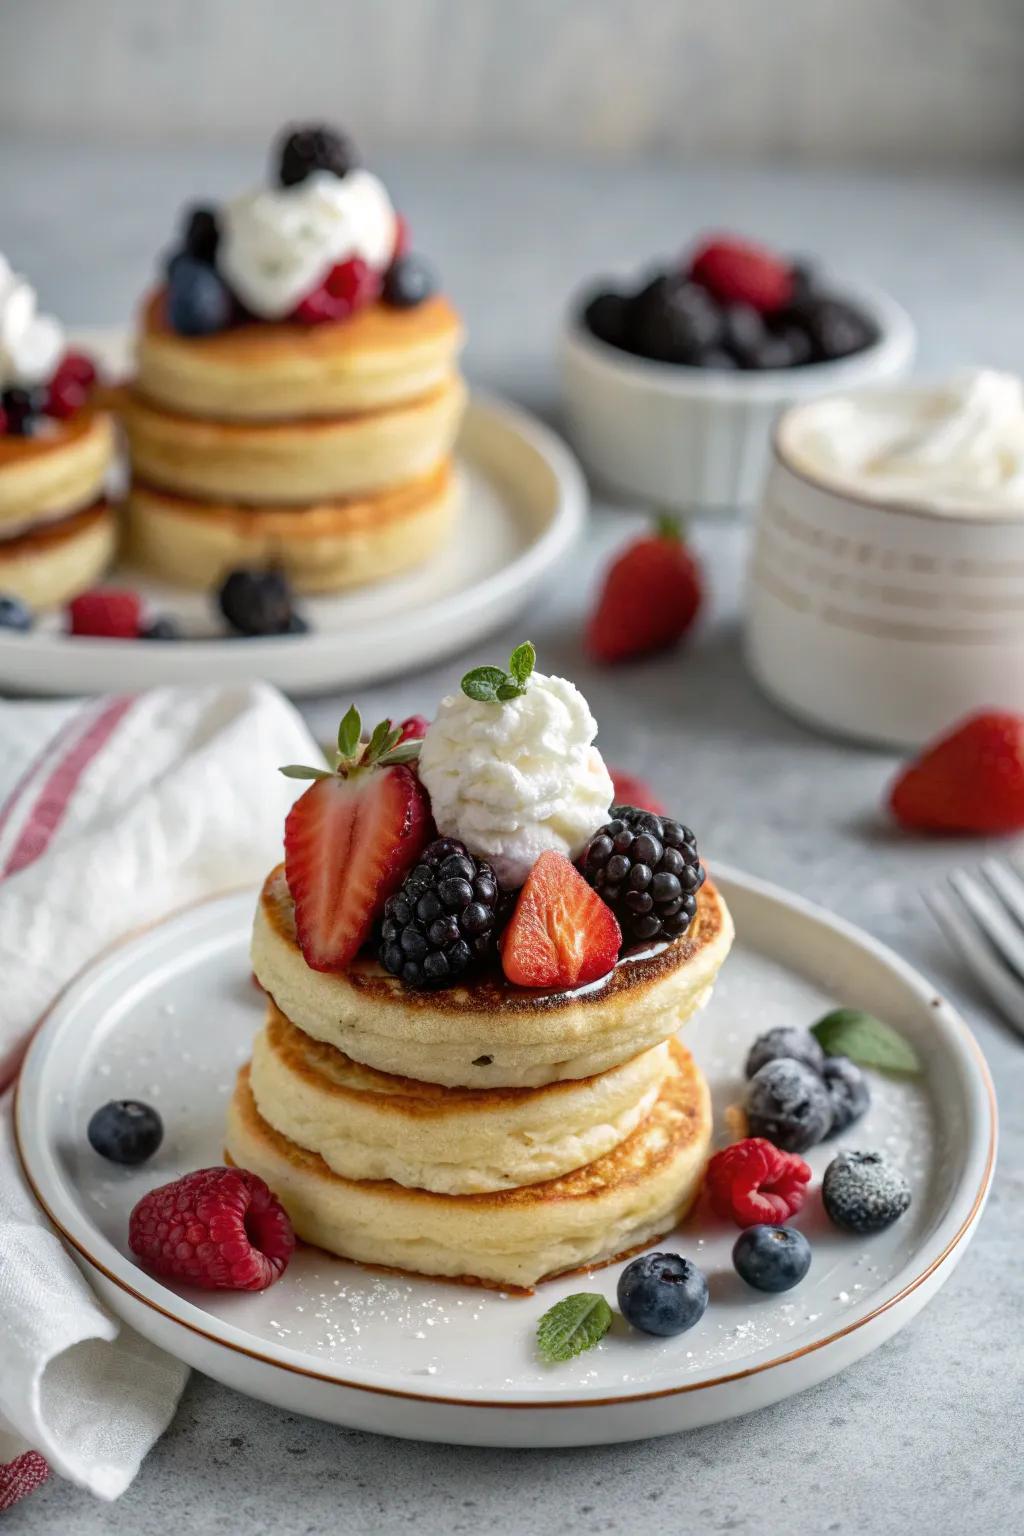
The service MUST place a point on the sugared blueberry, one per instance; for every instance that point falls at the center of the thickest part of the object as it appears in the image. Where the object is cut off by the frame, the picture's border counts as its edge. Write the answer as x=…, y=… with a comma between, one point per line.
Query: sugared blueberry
x=408, y=282
x=788, y=1104
x=198, y=302
x=785, y=1040
x=125, y=1131
x=771, y=1258
x=14, y=614
x=313, y=148
x=258, y=602
x=863, y=1192
x=847, y=1089
x=662, y=1293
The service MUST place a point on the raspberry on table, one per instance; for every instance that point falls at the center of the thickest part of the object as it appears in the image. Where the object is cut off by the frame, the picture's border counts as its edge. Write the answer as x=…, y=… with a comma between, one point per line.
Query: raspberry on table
x=753, y=1182
x=217, y=1228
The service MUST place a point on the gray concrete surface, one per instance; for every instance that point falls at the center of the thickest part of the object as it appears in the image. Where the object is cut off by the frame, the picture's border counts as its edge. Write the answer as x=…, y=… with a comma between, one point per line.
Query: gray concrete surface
x=922, y=1436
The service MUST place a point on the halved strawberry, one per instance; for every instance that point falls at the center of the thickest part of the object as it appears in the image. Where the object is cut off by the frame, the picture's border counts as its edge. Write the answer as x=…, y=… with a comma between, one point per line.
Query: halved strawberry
x=561, y=933
x=350, y=840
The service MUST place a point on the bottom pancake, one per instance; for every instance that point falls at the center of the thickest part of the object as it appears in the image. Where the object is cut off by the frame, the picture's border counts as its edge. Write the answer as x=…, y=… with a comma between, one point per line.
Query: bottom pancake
x=51, y=564
x=325, y=547
x=634, y=1194
x=454, y=1141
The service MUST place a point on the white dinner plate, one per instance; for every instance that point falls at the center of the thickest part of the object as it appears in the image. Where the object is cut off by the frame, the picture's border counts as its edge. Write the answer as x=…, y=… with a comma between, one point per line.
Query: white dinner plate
x=168, y=1017
x=523, y=505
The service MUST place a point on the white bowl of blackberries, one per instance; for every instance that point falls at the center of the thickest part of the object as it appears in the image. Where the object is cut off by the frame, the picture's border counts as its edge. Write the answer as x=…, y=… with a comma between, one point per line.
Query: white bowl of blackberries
x=673, y=380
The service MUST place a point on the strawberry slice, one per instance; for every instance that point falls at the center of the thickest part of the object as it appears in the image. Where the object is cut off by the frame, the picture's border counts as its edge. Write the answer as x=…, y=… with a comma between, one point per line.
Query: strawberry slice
x=561, y=933
x=351, y=839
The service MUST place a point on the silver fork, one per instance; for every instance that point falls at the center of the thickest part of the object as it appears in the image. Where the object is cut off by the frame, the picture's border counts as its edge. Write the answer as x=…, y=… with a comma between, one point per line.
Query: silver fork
x=983, y=918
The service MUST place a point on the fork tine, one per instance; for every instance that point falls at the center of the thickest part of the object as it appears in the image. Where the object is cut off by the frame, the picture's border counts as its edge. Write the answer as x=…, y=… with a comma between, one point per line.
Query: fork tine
x=992, y=918
x=1007, y=884
x=980, y=959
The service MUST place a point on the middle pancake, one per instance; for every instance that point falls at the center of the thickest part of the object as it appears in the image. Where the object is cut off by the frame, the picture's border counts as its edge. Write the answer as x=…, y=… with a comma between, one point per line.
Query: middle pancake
x=454, y=1141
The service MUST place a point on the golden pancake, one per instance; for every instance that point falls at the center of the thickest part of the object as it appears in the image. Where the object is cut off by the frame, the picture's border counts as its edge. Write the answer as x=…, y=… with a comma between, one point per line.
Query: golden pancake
x=633, y=1195
x=45, y=478
x=490, y=1033
x=52, y=564
x=322, y=548
x=266, y=372
x=294, y=462
x=454, y=1141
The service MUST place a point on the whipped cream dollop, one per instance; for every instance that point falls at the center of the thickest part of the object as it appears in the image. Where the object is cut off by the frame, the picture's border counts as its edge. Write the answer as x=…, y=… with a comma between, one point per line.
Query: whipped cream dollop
x=31, y=344
x=514, y=779
x=278, y=244
x=955, y=447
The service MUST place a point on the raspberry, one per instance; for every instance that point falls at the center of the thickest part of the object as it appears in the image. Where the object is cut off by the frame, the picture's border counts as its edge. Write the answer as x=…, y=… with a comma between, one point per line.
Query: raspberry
x=737, y=272
x=218, y=1228
x=107, y=613
x=347, y=287
x=753, y=1182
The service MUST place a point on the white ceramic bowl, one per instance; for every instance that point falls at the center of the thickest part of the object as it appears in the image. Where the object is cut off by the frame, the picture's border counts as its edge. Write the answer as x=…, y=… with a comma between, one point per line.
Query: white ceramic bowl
x=696, y=440
x=881, y=620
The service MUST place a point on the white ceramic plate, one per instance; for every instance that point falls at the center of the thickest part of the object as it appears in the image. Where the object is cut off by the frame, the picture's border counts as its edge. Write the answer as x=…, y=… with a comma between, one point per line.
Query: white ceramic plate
x=524, y=501
x=169, y=1016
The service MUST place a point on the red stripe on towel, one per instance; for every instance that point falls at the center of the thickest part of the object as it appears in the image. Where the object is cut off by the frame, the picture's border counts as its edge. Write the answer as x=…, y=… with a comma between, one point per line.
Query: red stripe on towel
x=54, y=797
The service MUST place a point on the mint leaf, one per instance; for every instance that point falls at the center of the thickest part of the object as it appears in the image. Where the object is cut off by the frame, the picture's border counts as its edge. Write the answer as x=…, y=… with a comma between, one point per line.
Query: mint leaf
x=483, y=683
x=508, y=690
x=572, y=1325
x=522, y=662
x=349, y=732
x=866, y=1040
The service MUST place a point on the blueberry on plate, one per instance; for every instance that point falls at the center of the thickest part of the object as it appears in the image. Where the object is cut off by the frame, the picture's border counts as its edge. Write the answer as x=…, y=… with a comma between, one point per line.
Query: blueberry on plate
x=662, y=1293
x=788, y=1104
x=408, y=282
x=198, y=302
x=162, y=628
x=771, y=1258
x=125, y=1131
x=863, y=1192
x=848, y=1091
x=259, y=602
x=785, y=1040
x=14, y=614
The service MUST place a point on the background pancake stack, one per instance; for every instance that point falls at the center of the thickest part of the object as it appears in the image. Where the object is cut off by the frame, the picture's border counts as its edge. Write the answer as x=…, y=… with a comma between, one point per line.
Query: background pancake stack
x=325, y=450
x=484, y=1132
x=57, y=533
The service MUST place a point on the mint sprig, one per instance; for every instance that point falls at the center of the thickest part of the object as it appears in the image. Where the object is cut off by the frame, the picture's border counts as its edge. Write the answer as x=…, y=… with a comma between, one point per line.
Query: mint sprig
x=384, y=749
x=491, y=685
x=572, y=1325
x=867, y=1040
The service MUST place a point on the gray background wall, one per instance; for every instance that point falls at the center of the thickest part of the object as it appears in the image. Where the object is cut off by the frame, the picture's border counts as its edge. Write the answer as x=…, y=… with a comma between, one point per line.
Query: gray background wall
x=935, y=83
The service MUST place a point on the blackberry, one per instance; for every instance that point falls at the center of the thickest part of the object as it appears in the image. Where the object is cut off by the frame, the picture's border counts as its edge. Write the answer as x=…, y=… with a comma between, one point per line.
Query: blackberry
x=202, y=234
x=646, y=868
x=313, y=148
x=444, y=919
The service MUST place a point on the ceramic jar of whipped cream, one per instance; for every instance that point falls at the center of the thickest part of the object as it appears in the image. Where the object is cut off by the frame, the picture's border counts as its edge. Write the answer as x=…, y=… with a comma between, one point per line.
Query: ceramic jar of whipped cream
x=886, y=584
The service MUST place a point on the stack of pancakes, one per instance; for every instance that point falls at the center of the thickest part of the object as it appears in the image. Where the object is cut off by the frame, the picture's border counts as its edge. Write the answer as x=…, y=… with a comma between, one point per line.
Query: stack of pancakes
x=325, y=450
x=57, y=533
x=484, y=1132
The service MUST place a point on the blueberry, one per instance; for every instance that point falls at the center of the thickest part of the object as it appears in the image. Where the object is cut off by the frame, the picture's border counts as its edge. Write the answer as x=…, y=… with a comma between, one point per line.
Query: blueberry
x=14, y=614
x=606, y=315
x=257, y=603
x=310, y=148
x=788, y=1104
x=125, y=1131
x=662, y=1293
x=162, y=628
x=785, y=1040
x=863, y=1192
x=848, y=1091
x=202, y=234
x=407, y=282
x=22, y=408
x=771, y=1258
x=198, y=303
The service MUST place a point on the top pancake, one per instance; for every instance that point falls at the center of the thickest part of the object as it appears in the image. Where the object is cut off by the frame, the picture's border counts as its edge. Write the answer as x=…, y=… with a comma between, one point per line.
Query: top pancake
x=279, y=371
x=491, y=1033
